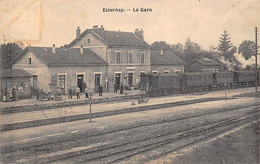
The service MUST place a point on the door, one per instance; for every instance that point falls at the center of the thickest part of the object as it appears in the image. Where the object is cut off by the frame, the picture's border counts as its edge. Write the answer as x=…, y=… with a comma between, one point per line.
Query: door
x=130, y=79
x=80, y=80
x=97, y=80
x=117, y=79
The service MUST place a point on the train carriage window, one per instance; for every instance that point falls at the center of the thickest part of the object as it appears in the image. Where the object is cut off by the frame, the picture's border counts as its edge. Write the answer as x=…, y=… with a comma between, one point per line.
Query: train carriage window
x=190, y=77
x=199, y=77
x=204, y=77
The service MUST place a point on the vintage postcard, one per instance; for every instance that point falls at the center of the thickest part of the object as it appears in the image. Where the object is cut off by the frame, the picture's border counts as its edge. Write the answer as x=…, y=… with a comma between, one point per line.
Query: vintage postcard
x=133, y=81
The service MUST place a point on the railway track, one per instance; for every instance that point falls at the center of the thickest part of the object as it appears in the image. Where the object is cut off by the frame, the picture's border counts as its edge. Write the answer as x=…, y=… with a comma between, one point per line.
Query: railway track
x=116, y=152
x=119, y=152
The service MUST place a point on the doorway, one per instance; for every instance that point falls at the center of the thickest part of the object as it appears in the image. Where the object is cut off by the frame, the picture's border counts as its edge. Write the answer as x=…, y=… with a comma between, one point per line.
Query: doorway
x=97, y=80
x=130, y=79
x=80, y=81
x=117, y=79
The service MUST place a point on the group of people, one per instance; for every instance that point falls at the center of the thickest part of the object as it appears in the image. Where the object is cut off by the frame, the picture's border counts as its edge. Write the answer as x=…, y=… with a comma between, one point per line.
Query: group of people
x=85, y=90
x=77, y=91
x=121, y=88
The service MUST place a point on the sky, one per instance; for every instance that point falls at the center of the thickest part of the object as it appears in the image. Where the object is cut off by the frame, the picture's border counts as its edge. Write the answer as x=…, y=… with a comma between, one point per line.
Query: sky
x=47, y=22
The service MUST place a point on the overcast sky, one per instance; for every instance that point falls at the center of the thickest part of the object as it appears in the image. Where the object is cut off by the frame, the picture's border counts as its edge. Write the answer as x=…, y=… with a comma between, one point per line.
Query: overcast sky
x=44, y=22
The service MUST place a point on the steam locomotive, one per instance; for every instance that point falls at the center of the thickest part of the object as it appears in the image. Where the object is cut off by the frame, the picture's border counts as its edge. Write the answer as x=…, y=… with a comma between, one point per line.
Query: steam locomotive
x=165, y=84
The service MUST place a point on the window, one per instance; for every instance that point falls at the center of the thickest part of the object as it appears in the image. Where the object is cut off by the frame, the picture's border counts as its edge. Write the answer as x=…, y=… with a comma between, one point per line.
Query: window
x=61, y=82
x=29, y=60
x=142, y=73
x=142, y=57
x=118, y=57
x=155, y=72
x=166, y=71
x=88, y=40
x=130, y=57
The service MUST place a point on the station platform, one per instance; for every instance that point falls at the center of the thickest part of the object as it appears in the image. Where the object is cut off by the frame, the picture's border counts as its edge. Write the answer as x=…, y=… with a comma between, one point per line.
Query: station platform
x=34, y=101
x=67, y=114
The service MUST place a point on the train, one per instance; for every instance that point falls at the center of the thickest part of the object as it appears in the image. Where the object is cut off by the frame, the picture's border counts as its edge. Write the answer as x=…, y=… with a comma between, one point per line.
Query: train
x=165, y=84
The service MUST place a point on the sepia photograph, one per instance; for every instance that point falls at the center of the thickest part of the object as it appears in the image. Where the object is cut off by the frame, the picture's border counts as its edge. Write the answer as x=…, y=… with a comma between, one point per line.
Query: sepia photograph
x=130, y=82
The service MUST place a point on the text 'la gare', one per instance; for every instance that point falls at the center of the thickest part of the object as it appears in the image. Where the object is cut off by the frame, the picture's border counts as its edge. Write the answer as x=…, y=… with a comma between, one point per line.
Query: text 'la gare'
x=142, y=10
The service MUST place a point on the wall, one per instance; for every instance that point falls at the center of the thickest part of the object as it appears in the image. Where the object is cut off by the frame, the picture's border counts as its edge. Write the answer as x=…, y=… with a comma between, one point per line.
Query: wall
x=124, y=67
x=72, y=71
x=38, y=68
x=108, y=54
x=95, y=45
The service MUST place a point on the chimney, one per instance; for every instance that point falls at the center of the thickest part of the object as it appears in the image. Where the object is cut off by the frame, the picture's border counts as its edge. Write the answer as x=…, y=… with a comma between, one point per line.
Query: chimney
x=161, y=52
x=102, y=27
x=77, y=32
x=53, y=49
x=139, y=33
x=81, y=49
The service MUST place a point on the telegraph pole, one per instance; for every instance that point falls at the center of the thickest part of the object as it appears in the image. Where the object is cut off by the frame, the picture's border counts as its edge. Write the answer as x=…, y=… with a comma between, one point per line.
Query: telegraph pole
x=256, y=47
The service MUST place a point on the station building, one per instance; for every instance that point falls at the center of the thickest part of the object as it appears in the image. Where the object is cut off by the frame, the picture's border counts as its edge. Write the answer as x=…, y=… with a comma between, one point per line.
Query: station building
x=96, y=56
x=53, y=67
x=166, y=62
x=126, y=53
x=205, y=65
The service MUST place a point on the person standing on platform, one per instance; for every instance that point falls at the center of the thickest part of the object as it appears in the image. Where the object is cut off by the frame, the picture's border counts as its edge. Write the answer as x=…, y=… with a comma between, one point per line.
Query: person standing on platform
x=41, y=95
x=70, y=93
x=121, y=88
x=14, y=94
x=78, y=92
x=100, y=89
x=115, y=88
x=86, y=91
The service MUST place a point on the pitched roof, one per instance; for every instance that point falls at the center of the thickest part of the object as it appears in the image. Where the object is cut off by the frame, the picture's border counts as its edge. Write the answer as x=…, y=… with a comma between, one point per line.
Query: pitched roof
x=66, y=56
x=165, y=58
x=113, y=38
x=207, y=62
x=7, y=73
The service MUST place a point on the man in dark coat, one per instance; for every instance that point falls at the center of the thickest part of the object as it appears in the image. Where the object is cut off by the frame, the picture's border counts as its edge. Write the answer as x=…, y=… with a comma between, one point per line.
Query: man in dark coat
x=115, y=88
x=14, y=95
x=100, y=89
x=70, y=93
x=121, y=88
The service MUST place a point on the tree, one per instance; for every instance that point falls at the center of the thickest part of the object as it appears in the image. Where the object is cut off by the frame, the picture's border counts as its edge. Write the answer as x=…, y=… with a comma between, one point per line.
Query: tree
x=247, y=48
x=192, y=51
x=225, y=47
x=162, y=45
x=8, y=53
x=177, y=49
